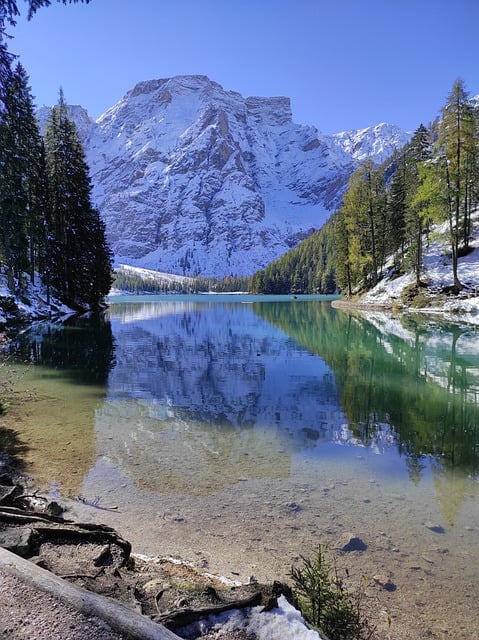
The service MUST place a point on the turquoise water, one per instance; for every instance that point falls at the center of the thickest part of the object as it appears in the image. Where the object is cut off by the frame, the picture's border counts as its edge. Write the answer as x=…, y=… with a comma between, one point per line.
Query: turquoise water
x=240, y=431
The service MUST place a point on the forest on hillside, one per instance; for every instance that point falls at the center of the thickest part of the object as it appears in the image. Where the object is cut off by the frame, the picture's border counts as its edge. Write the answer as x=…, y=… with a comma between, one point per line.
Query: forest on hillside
x=388, y=211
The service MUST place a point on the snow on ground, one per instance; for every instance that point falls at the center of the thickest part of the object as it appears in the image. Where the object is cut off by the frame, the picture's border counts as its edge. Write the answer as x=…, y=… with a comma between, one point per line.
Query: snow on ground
x=34, y=304
x=283, y=623
x=149, y=274
x=437, y=272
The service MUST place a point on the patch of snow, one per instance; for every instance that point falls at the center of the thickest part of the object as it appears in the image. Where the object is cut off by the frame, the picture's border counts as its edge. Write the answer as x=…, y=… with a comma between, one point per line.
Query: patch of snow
x=33, y=304
x=437, y=272
x=283, y=623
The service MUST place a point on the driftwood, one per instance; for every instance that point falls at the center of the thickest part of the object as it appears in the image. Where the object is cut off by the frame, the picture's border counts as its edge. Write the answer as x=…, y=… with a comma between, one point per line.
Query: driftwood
x=20, y=516
x=93, y=554
x=119, y=617
x=95, y=503
x=185, y=615
x=178, y=606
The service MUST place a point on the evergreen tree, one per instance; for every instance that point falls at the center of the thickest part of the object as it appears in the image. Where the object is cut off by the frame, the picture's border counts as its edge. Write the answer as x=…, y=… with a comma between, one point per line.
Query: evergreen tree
x=21, y=169
x=79, y=259
x=418, y=151
x=309, y=268
x=343, y=254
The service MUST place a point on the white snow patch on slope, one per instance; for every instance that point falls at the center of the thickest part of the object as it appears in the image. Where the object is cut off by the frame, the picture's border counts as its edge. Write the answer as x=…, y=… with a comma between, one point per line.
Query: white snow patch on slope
x=437, y=272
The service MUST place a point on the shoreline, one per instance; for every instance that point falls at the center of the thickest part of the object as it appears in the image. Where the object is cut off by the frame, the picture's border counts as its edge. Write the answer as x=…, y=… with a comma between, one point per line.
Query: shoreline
x=386, y=601
x=461, y=314
x=191, y=599
x=198, y=541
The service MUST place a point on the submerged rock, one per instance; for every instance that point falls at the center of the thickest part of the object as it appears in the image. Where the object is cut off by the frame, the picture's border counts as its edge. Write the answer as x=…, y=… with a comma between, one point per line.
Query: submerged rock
x=350, y=542
x=385, y=582
x=435, y=528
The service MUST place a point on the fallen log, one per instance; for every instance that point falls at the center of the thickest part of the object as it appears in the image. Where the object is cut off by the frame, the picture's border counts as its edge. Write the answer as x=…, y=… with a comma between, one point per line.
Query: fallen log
x=183, y=616
x=120, y=618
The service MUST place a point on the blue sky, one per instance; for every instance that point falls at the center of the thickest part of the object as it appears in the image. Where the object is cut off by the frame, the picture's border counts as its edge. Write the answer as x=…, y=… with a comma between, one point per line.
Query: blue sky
x=345, y=64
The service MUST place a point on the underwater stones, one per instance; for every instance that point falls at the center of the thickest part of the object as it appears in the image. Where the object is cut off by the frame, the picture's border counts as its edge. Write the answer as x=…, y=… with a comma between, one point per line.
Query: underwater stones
x=434, y=527
x=385, y=582
x=293, y=506
x=350, y=542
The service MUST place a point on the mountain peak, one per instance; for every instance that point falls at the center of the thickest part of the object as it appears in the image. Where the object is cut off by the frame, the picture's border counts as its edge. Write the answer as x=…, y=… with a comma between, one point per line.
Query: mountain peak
x=377, y=142
x=275, y=111
x=193, y=179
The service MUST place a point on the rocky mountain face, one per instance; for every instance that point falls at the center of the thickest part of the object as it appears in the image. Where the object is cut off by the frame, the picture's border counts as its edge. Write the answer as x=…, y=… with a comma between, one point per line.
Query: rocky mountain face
x=192, y=179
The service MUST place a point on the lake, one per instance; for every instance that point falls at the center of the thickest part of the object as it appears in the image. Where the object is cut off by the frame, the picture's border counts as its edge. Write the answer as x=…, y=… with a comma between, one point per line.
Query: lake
x=239, y=432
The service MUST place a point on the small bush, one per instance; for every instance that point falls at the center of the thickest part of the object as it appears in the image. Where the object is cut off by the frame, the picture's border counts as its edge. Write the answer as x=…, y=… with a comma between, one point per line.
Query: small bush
x=324, y=601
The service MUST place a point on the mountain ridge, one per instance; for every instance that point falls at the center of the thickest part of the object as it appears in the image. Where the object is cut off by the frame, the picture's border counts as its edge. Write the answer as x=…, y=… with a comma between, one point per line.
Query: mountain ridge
x=195, y=180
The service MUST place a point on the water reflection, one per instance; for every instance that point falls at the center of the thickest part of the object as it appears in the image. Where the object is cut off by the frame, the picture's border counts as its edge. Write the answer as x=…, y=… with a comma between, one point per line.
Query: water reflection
x=251, y=432
x=81, y=348
x=62, y=370
x=207, y=393
x=201, y=386
x=404, y=378
x=12, y=448
x=199, y=394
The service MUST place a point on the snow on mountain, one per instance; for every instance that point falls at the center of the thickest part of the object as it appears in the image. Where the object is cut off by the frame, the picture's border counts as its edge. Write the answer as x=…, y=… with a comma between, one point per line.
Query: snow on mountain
x=192, y=179
x=84, y=124
x=378, y=142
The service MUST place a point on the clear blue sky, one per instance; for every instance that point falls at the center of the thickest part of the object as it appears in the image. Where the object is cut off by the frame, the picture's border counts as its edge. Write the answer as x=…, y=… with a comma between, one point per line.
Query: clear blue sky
x=345, y=64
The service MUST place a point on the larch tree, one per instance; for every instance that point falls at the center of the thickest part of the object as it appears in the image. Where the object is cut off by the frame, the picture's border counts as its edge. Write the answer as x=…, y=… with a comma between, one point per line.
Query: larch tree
x=396, y=208
x=457, y=153
x=418, y=151
x=364, y=223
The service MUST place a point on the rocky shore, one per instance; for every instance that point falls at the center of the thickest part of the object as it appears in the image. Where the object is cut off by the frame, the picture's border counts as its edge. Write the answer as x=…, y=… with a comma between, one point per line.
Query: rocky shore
x=114, y=592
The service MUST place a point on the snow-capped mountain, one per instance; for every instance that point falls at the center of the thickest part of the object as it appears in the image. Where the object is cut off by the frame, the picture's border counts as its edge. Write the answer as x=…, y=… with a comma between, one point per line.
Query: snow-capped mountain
x=378, y=142
x=192, y=179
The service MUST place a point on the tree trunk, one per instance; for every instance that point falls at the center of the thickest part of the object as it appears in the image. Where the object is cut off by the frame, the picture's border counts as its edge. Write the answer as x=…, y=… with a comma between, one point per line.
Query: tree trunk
x=119, y=617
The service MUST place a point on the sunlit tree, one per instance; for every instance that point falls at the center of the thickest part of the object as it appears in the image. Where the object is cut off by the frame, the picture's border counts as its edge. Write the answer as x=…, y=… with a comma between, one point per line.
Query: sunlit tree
x=457, y=154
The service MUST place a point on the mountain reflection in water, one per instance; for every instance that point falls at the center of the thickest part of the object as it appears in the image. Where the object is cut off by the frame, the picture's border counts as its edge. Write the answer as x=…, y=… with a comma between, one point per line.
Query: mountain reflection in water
x=245, y=434
x=214, y=384
x=200, y=393
x=416, y=378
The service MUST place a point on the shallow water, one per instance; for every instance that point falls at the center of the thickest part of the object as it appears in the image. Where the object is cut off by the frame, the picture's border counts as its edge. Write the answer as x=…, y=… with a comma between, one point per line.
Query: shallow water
x=240, y=436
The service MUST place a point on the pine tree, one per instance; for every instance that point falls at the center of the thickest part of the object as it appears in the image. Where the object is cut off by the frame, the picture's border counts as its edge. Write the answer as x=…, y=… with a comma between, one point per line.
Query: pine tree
x=418, y=151
x=342, y=254
x=77, y=253
x=21, y=168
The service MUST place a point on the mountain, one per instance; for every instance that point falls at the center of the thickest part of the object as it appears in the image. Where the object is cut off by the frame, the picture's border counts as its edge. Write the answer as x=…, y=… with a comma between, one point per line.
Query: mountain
x=378, y=142
x=192, y=179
